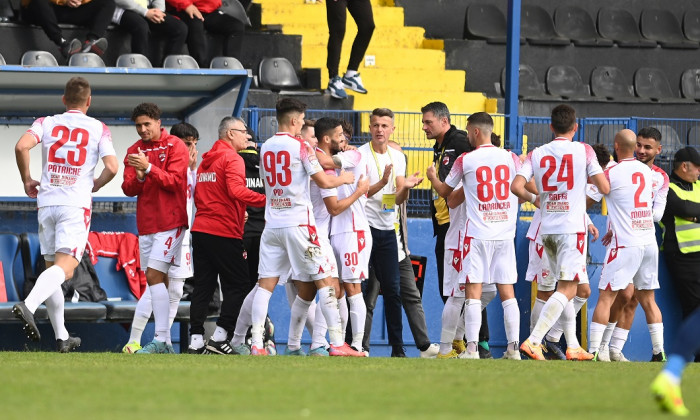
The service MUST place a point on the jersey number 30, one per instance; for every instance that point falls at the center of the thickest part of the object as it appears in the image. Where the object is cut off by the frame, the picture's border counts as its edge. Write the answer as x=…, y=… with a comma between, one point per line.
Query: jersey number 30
x=277, y=168
x=64, y=135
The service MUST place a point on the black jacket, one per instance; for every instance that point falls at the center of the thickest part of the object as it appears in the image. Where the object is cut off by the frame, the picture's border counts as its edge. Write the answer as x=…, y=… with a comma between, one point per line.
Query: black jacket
x=454, y=143
x=256, y=215
x=677, y=207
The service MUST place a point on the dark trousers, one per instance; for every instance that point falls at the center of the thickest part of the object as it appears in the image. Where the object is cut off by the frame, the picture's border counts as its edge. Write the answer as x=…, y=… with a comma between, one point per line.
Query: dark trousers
x=410, y=298
x=95, y=15
x=361, y=12
x=384, y=261
x=173, y=30
x=685, y=275
x=217, y=23
x=252, y=248
x=215, y=256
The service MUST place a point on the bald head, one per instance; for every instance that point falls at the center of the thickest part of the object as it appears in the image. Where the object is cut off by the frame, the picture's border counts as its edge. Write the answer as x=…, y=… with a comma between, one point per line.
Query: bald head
x=625, y=143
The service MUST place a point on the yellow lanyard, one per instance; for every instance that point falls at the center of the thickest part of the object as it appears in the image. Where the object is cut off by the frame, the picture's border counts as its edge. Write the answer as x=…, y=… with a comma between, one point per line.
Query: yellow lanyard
x=379, y=170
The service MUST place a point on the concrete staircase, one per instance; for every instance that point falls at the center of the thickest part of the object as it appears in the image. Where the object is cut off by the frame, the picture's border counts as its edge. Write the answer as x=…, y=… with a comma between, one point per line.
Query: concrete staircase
x=402, y=70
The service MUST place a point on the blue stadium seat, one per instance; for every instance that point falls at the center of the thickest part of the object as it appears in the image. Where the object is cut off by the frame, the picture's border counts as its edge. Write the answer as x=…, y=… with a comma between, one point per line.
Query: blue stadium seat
x=121, y=303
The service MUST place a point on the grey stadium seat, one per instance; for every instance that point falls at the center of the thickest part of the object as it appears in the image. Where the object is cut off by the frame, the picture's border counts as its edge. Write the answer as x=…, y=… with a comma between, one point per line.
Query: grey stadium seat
x=180, y=62
x=610, y=83
x=663, y=27
x=136, y=61
x=690, y=84
x=575, y=23
x=38, y=59
x=225, y=63
x=620, y=26
x=86, y=60
x=537, y=27
x=565, y=81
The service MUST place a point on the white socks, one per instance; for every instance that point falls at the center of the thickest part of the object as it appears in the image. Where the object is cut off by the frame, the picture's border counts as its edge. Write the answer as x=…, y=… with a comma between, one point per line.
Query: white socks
x=358, y=315
x=656, y=331
x=161, y=309
x=607, y=334
x=343, y=310
x=451, y=315
x=258, y=314
x=472, y=319
x=197, y=341
x=535, y=314
x=318, y=338
x=297, y=319
x=350, y=73
x=550, y=314
x=595, y=336
x=619, y=337
x=144, y=307
x=219, y=335
x=511, y=319
x=48, y=282
x=329, y=307
x=244, y=319
x=55, y=304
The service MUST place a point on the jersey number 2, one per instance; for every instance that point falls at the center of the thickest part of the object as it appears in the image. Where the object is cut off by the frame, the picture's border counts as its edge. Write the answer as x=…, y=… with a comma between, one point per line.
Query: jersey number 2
x=638, y=178
x=277, y=168
x=79, y=136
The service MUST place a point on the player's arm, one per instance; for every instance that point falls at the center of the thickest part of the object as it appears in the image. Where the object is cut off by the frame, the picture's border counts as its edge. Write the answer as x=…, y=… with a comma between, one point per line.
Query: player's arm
x=335, y=206
x=236, y=184
x=22, y=148
x=440, y=187
x=324, y=180
x=518, y=188
x=659, y=202
x=601, y=182
x=108, y=173
x=131, y=185
x=456, y=198
x=171, y=177
x=328, y=162
x=375, y=188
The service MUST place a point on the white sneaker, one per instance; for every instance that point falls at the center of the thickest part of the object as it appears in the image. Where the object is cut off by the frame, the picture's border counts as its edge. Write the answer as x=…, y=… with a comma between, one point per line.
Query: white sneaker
x=512, y=355
x=617, y=356
x=336, y=88
x=466, y=354
x=603, y=354
x=431, y=352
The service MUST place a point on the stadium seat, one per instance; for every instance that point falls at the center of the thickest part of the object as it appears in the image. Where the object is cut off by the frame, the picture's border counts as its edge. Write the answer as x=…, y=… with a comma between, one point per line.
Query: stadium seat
x=538, y=28
x=121, y=303
x=620, y=26
x=565, y=81
x=38, y=59
x=225, y=63
x=691, y=25
x=134, y=61
x=486, y=21
x=690, y=84
x=663, y=27
x=652, y=84
x=694, y=136
x=529, y=85
x=2, y=60
x=86, y=60
x=277, y=73
x=180, y=62
x=9, y=250
x=267, y=127
x=670, y=141
x=575, y=23
x=606, y=133
x=609, y=82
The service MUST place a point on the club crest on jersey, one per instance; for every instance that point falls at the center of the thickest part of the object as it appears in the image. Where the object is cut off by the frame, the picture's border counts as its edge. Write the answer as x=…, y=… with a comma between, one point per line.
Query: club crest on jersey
x=161, y=156
x=445, y=160
x=462, y=287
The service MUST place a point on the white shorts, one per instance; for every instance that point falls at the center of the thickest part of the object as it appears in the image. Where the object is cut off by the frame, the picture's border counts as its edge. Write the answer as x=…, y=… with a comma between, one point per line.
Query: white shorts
x=352, y=251
x=567, y=256
x=161, y=250
x=297, y=248
x=638, y=264
x=451, y=285
x=489, y=262
x=184, y=270
x=330, y=256
x=538, y=268
x=63, y=229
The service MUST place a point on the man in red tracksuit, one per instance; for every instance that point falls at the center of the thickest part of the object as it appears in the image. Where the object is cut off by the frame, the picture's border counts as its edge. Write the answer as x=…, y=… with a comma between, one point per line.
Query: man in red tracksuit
x=221, y=197
x=155, y=170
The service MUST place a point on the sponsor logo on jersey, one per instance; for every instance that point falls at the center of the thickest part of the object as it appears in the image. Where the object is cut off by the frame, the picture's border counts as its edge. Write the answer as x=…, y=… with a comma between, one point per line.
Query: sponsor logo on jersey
x=254, y=183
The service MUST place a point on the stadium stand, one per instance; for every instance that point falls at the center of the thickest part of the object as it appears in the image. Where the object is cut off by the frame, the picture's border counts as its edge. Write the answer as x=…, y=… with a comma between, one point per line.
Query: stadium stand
x=690, y=84
x=566, y=82
x=529, y=85
x=663, y=27
x=691, y=25
x=608, y=82
x=277, y=73
x=486, y=21
x=537, y=27
x=620, y=26
x=136, y=61
x=86, y=60
x=575, y=23
x=652, y=84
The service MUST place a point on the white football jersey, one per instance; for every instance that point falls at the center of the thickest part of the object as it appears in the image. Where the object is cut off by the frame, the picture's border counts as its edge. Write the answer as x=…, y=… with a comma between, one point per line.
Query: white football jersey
x=561, y=169
x=630, y=204
x=286, y=163
x=354, y=218
x=191, y=182
x=533, y=232
x=487, y=173
x=659, y=191
x=377, y=218
x=71, y=144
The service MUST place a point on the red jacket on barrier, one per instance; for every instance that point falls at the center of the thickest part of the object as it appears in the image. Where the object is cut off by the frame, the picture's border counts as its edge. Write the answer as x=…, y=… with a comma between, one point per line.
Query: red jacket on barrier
x=123, y=246
x=162, y=195
x=221, y=194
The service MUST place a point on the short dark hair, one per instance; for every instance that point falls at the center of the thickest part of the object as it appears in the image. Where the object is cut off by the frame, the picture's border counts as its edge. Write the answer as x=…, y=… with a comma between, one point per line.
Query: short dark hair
x=650, y=133
x=438, y=109
x=325, y=125
x=287, y=106
x=77, y=91
x=495, y=139
x=602, y=154
x=480, y=118
x=308, y=123
x=148, y=109
x=382, y=112
x=563, y=119
x=184, y=130
x=347, y=127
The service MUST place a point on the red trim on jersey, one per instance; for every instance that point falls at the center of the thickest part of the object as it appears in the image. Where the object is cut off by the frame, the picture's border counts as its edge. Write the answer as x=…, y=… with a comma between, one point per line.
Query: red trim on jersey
x=361, y=242
x=613, y=254
x=466, y=248
x=581, y=242
x=539, y=249
x=457, y=260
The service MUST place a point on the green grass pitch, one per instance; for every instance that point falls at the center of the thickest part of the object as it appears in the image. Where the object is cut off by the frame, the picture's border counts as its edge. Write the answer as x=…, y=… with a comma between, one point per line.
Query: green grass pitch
x=117, y=386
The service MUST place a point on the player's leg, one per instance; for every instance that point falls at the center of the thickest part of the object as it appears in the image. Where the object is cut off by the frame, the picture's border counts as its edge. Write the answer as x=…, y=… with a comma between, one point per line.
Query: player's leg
x=646, y=280
x=142, y=314
x=276, y=263
x=306, y=292
x=451, y=316
x=503, y=271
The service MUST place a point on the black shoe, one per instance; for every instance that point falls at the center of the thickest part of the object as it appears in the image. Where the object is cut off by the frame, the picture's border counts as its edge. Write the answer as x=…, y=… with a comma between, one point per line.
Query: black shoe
x=68, y=48
x=484, y=353
x=219, y=347
x=658, y=357
x=22, y=313
x=67, y=346
x=397, y=351
x=552, y=351
x=96, y=46
x=192, y=350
